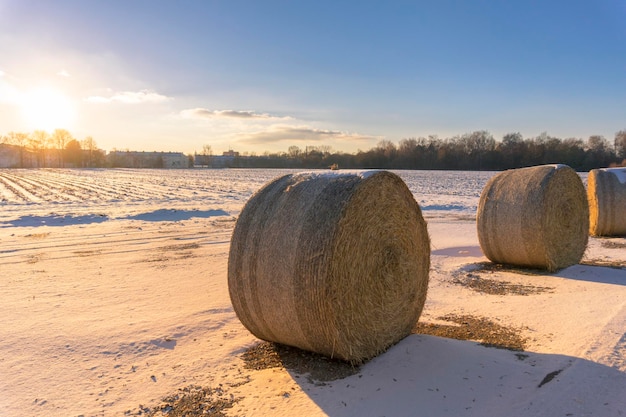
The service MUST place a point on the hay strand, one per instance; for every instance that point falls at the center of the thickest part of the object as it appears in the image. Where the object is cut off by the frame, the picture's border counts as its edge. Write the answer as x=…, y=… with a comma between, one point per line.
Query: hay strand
x=606, y=192
x=334, y=263
x=534, y=217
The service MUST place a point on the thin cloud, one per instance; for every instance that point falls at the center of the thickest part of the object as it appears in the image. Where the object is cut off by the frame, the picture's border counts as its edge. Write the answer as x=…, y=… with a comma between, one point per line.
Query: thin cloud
x=130, y=97
x=200, y=113
x=63, y=73
x=300, y=133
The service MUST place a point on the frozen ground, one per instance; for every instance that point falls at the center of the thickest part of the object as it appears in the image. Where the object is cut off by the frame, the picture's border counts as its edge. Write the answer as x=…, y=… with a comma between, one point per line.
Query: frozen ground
x=97, y=195
x=114, y=296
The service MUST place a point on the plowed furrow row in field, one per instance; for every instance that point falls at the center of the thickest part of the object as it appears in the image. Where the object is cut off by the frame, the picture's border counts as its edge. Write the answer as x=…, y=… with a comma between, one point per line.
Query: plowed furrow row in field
x=17, y=189
x=80, y=189
x=125, y=187
x=53, y=185
x=45, y=189
x=8, y=194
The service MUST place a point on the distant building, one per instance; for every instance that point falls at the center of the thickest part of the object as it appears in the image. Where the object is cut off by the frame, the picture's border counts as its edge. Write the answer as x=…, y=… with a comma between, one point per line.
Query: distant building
x=9, y=156
x=134, y=159
x=225, y=160
x=13, y=156
x=175, y=160
x=202, y=160
x=230, y=153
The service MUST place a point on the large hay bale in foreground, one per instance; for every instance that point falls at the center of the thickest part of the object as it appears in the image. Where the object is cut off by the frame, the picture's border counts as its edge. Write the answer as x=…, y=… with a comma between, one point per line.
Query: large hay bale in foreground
x=606, y=192
x=534, y=217
x=334, y=263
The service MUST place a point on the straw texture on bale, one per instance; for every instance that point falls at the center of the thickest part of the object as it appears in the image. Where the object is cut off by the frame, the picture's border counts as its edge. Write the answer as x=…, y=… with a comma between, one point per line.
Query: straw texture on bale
x=333, y=263
x=535, y=217
x=606, y=192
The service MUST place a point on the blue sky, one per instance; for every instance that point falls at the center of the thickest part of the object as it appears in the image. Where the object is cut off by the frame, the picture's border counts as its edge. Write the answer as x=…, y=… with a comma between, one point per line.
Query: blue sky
x=265, y=75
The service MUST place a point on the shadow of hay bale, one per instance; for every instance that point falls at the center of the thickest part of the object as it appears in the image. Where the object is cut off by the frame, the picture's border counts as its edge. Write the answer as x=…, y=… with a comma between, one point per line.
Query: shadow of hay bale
x=318, y=368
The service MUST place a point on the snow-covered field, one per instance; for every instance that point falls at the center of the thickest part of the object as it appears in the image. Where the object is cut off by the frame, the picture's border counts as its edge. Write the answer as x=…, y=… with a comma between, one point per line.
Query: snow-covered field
x=122, y=193
x=114, y=296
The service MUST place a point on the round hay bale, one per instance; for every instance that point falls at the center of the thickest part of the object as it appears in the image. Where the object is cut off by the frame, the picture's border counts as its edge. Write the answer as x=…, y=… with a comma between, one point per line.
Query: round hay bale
x=606, y=192
x=334, y=263
x=534, y=217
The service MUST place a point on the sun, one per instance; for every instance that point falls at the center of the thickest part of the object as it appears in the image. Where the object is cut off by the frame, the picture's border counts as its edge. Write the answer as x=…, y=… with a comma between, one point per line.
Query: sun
x=47, y=109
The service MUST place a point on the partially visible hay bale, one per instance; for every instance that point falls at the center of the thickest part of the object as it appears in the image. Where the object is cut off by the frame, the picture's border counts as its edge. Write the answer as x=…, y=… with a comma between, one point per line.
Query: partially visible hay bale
x=606, y=192
x=334, y=263
x=534, y=217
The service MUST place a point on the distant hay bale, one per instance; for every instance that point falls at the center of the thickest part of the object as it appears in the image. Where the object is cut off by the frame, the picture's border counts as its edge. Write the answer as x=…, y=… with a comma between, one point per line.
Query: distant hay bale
x=606, y=192
x=334, y=263
x=534, y=217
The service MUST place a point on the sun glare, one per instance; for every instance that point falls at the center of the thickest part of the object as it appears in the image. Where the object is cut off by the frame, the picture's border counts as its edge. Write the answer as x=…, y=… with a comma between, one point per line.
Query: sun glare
x=47, y=109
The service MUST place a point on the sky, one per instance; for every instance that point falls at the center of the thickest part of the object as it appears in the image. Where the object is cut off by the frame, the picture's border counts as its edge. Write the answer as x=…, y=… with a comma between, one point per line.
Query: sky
x=257, y=76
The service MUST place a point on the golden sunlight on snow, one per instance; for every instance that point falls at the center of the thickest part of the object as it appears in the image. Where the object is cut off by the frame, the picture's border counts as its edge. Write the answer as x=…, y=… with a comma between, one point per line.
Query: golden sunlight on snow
x=115, y=302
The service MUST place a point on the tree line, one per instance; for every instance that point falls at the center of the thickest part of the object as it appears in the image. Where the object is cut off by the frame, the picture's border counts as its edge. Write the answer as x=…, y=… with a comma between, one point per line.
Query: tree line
x=471, y=151
x=56, y=149
x=477, y=150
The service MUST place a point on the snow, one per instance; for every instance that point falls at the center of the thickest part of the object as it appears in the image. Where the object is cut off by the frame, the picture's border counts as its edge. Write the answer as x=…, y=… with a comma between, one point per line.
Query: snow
x=115, y=295
x=620, y=173
x=305, y=175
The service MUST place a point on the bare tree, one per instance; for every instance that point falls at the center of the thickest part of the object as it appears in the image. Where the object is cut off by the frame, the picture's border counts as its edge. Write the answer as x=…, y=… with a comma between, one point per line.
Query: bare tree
x=479, y=141
x=407, y=146
x=20, y=140
x=73, y=153
x=60, y=138
x=207, y=153
x=325, y=149
x=89, y=144
x=294, y=151
x=620, y=144
x=38, y=143
x=511, y=139
x=387, y=148
x=599, y=153
x=598, y=143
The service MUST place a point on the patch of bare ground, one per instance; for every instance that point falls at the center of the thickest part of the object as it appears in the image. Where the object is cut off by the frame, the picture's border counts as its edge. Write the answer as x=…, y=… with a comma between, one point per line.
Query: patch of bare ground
x=607, y=243
x=37, y=235
x=191, y=401
x=83, y=253
x=476, y=280
x=490, y=267
x=466, y=217
x=319, y=369
x=174, y=253
x=437, y=215
x=33, y=259
x=182, y=251
x=180, y=247
x=196, y=401
x=604, y=263
x=478, y=329
x=157, y=258
x=611, y=244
